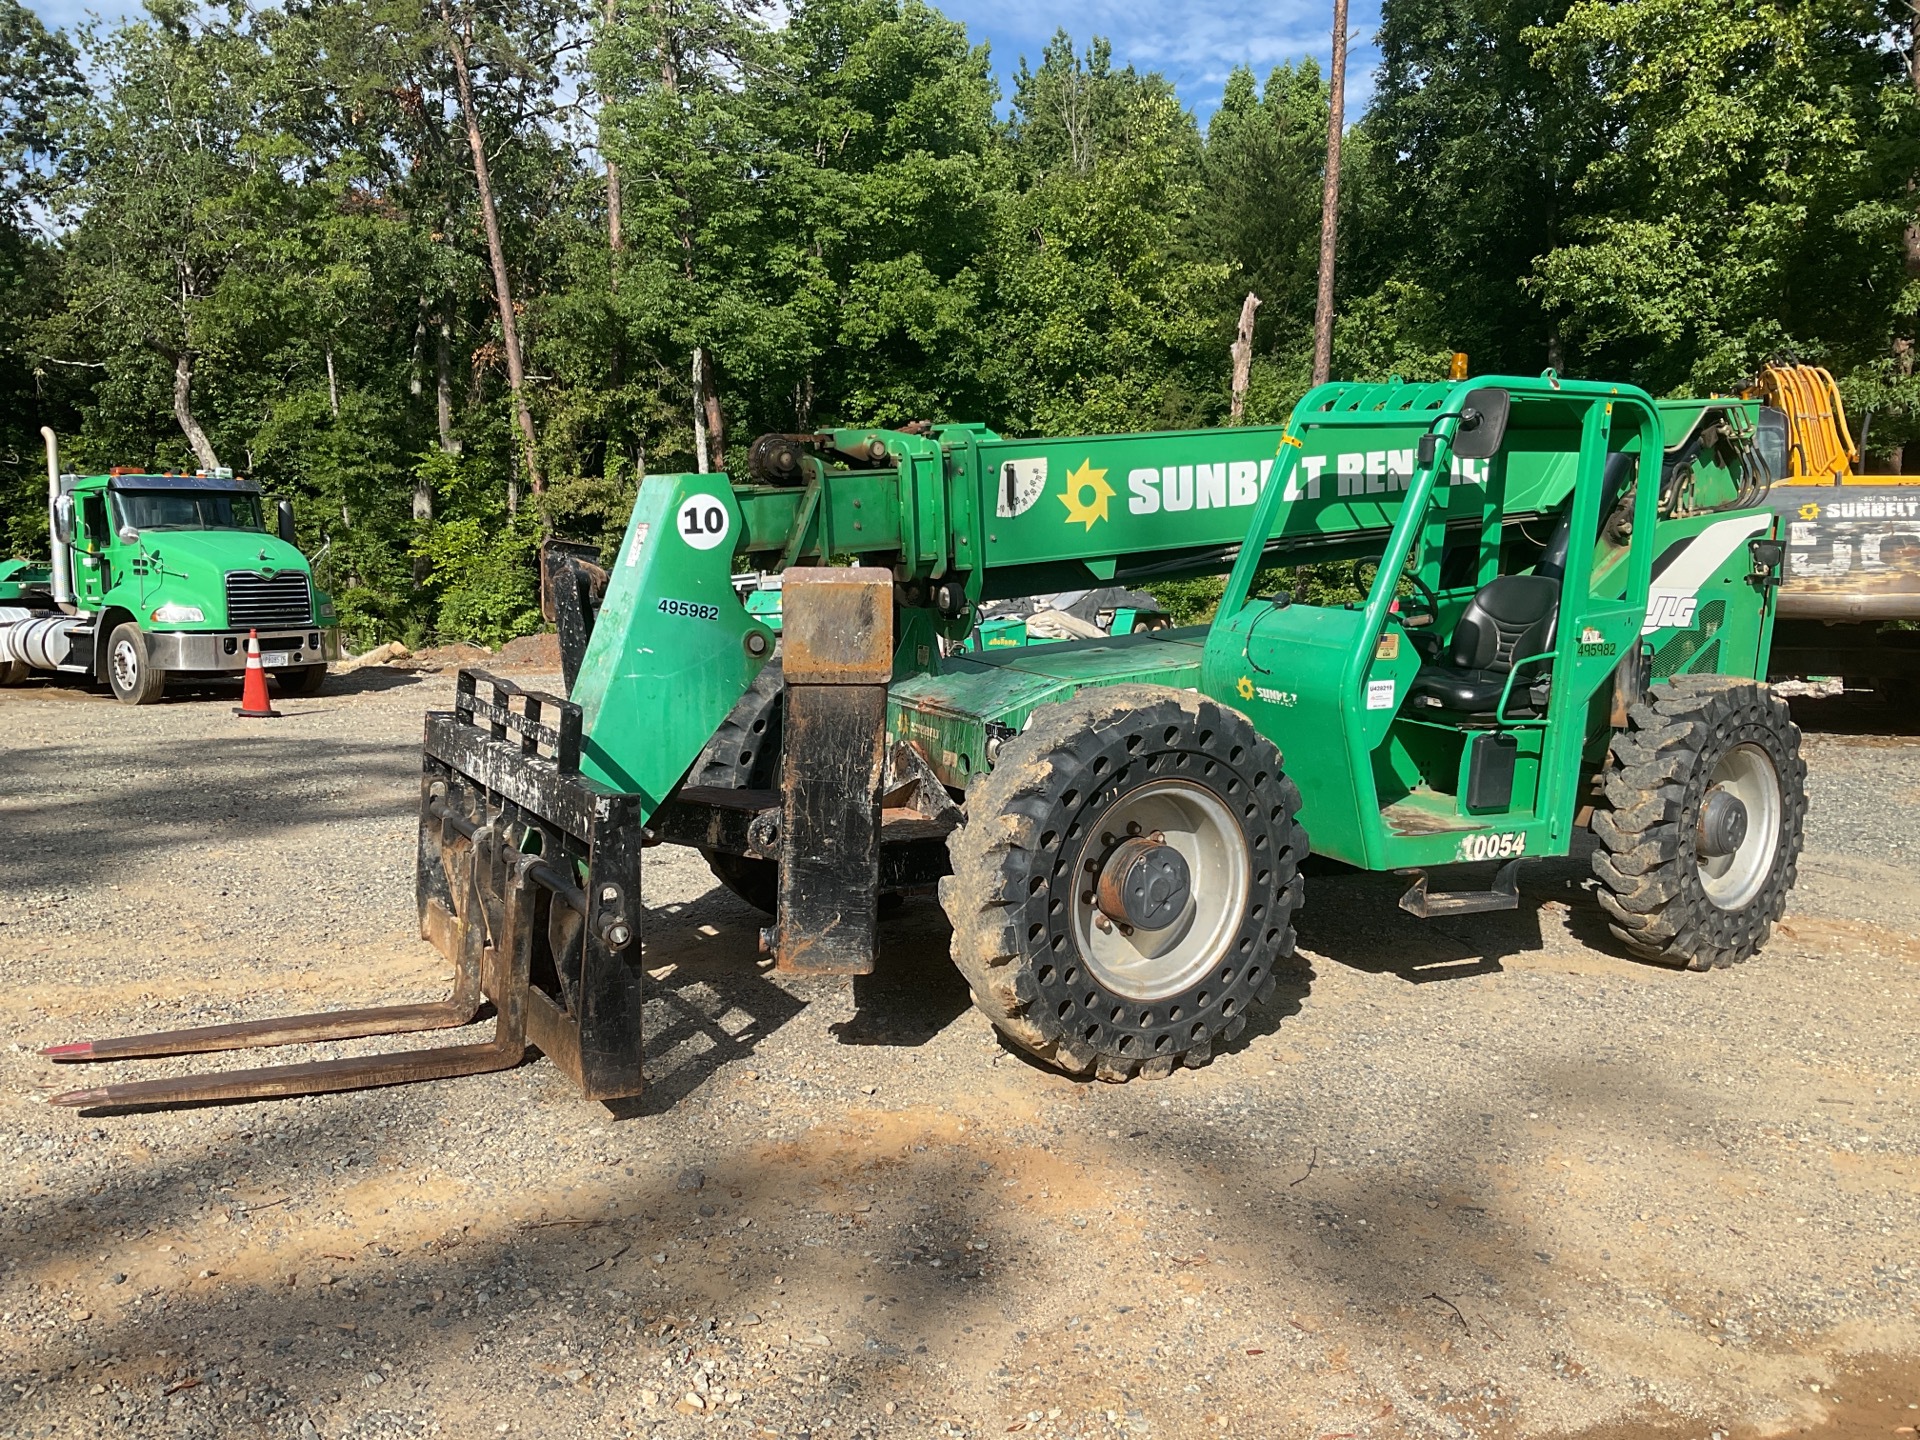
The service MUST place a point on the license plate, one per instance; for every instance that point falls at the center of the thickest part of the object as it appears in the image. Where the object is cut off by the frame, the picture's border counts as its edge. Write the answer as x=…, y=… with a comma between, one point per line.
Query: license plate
x=271, y=658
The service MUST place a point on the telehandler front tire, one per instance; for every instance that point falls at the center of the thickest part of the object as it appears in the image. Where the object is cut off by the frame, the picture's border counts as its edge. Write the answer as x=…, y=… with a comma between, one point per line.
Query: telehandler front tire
x=1123, y=889
x=131, y=673
x=1705, y=805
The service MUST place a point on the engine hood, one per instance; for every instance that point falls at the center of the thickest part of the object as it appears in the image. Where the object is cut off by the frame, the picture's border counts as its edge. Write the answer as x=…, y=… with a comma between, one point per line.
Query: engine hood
x=214, y=552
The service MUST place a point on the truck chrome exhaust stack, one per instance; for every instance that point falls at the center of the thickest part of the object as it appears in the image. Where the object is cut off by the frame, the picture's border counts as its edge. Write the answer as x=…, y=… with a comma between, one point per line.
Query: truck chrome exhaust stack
x=62, y=551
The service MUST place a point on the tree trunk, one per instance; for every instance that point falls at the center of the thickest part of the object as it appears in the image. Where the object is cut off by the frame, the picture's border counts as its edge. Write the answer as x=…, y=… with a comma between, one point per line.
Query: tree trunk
x=1330, y=201
x=419, y=344
x=183, y=412
x=1243, y=356
x=496, y=252
x=616, y=239
x=709, y=400
x=333, y=386
x=700, y=457
x=443, y=387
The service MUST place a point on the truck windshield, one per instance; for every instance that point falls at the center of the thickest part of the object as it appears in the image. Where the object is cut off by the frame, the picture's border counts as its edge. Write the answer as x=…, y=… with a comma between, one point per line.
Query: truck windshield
x=188, y=509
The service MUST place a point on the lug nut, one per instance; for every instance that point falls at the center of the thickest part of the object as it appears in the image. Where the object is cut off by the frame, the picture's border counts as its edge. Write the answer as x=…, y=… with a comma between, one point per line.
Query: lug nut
x=1102, y=924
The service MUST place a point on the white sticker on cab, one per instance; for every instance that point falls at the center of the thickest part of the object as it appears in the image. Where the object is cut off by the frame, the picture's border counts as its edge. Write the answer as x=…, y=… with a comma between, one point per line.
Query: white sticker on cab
x=1380, y=695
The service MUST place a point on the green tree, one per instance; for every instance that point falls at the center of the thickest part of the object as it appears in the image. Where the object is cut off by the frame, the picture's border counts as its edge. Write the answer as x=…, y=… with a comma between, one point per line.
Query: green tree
x=1465, y=176
x=1745, y=206
x=1106, y=315
x=38, y=74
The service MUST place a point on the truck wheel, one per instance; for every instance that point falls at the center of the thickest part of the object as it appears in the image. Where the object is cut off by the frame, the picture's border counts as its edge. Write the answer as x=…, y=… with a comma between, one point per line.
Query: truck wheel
x=1123, y=890
x=1700, y=834
x=304, y=680
x=131, y=674
x=744, y=754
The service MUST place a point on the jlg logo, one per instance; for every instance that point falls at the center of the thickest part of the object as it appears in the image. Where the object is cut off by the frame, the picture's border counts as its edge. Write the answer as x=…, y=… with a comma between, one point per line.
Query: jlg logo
x=1665, y=611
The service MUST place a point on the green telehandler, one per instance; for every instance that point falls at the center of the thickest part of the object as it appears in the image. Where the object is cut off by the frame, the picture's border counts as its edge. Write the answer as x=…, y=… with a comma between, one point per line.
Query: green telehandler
x=1569, y=591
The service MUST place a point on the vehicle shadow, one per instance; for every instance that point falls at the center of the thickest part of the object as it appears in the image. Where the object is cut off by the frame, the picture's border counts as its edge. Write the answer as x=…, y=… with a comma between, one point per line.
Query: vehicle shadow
x=1375, y=935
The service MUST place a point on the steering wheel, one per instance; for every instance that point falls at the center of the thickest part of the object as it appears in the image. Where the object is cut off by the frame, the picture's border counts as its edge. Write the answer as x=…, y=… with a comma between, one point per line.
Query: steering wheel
x=1428, y=598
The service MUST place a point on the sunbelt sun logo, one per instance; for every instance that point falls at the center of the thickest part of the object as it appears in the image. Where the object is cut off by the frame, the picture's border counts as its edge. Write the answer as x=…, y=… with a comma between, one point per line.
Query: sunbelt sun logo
x=1087, y=495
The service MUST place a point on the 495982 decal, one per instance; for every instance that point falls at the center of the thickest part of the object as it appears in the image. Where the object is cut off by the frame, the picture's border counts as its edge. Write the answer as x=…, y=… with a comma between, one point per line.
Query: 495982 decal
x=689, y=610
x=1504, y=846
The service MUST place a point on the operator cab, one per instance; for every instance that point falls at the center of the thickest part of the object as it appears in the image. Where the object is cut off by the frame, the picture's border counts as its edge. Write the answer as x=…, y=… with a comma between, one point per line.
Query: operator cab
x=1509, y=624
x=1510, y=542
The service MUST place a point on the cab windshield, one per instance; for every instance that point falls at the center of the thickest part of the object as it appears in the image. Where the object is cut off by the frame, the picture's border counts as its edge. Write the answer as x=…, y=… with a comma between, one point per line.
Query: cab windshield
x=188, y=509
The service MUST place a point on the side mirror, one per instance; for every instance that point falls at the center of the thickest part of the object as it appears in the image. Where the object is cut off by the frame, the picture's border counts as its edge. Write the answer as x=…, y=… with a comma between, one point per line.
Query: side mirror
x=63, y=520
x=1483, y=424
x=283, y=519
x=129, y=535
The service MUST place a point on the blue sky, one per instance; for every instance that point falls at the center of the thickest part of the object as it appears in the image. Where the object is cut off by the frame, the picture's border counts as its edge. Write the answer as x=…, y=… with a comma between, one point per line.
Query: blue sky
x=1195, y=46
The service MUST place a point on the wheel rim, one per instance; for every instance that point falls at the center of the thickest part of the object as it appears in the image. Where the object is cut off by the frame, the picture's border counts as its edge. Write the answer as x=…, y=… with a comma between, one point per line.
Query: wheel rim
x=1140, y=964
x=1747, y=773
x=126, y=665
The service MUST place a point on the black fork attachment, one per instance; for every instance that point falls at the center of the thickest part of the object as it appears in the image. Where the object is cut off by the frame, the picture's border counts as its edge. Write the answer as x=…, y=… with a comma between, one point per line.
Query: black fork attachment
x=527, y=880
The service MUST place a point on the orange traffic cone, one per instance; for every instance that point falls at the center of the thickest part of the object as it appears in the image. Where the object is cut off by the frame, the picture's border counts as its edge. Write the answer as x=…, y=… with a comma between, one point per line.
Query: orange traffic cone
x=254, y=704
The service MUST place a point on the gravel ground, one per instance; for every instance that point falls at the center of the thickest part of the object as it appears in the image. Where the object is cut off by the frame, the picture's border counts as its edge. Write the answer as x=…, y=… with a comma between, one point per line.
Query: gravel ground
x=1470, y=1177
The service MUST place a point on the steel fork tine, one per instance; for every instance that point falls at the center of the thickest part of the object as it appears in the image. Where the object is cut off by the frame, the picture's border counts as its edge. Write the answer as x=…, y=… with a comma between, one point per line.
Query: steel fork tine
x=507, y=967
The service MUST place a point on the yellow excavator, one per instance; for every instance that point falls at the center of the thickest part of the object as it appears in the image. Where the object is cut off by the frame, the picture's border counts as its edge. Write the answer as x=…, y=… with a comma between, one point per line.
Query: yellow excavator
x=1853, y=544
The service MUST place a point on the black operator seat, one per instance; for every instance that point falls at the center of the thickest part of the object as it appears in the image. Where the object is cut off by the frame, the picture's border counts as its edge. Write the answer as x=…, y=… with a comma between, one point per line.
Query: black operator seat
x=1510, y=618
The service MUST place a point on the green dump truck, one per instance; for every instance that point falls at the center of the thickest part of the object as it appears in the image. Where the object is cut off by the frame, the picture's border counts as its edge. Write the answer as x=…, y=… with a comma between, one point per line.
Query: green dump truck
x=159, y=575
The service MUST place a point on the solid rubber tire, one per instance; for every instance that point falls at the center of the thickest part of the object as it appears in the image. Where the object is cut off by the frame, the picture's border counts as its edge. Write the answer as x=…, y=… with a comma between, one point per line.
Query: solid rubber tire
x=1012, y=935
x=1656, y=776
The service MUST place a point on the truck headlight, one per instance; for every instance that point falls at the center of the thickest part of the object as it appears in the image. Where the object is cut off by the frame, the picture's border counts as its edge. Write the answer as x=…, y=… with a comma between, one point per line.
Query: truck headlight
x=172, y=614
x=327, y=612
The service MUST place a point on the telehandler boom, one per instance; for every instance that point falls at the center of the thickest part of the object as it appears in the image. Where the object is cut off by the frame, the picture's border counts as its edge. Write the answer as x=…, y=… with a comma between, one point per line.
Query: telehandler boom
x=1548, y=644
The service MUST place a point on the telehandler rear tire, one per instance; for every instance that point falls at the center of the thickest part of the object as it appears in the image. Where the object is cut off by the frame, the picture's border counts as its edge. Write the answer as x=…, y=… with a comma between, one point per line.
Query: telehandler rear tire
x=1705, y=805
x=1124, y=887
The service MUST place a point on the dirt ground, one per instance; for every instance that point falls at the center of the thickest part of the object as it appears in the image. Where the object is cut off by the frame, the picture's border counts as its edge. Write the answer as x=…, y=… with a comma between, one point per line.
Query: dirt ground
x=1477, y=1176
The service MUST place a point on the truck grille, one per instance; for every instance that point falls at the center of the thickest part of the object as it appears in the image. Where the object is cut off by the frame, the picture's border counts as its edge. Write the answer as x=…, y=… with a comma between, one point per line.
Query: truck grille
x=282, y=600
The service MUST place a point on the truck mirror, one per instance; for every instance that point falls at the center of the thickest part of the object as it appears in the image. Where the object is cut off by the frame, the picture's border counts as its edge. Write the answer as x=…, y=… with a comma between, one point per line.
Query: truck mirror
x=283, y=519
x=129, y=535
x=1483, y=424
x=63, y=520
